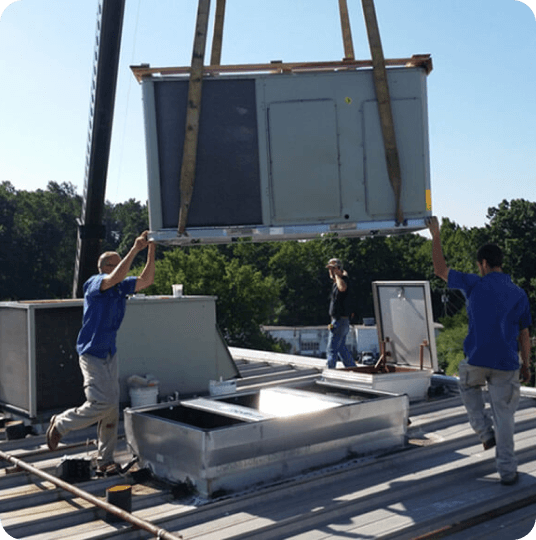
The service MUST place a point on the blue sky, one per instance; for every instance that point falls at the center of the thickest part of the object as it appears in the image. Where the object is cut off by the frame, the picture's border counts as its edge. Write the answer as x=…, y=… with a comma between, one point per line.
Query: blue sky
x=482, y=106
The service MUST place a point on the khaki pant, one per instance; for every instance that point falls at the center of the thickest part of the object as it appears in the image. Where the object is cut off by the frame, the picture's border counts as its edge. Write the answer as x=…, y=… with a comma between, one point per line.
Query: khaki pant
x=101, y=387
x=503, y=388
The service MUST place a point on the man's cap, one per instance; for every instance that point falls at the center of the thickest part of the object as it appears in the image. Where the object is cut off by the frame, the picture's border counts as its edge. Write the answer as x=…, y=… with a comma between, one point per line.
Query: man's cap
x=334, y=262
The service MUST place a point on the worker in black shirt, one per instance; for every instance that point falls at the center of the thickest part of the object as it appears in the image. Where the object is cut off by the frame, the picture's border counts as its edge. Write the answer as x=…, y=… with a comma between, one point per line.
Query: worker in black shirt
x=339, y=311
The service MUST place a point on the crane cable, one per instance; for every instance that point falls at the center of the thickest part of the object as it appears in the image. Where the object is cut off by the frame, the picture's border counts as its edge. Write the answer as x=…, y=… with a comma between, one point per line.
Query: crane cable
x=127, y=104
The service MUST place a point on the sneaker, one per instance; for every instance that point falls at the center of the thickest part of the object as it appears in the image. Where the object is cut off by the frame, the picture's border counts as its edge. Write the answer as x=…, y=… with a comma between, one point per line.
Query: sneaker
x=509, y=480
x=490, y=443
x=53, y=435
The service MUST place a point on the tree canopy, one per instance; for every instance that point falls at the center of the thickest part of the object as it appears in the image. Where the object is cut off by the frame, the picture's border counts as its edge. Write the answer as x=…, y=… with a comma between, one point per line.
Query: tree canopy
x=38, y=231
x=279, y=283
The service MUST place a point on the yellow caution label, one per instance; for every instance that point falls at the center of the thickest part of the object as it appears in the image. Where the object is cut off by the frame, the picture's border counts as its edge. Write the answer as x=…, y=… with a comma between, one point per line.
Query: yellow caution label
x=429, y=200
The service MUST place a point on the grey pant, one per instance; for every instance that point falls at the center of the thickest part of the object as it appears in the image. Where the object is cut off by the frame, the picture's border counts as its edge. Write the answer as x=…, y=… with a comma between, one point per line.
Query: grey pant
x=101, y=387
x=503, y=388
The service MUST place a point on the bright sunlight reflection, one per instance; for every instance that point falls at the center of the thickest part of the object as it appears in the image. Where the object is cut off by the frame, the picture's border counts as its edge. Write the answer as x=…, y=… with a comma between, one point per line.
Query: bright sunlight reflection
x=277, y=402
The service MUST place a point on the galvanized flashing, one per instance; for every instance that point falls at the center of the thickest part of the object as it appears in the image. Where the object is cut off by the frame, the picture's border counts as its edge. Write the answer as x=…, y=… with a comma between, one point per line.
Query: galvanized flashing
x=230, y=443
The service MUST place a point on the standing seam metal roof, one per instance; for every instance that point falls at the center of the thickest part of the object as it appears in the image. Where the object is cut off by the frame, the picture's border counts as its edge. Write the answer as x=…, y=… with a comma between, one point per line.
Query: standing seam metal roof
x=440, y=484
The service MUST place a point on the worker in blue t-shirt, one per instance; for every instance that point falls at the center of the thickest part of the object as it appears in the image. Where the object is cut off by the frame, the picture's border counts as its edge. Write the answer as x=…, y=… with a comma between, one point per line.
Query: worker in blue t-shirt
x=499, y=321
x=105, y=296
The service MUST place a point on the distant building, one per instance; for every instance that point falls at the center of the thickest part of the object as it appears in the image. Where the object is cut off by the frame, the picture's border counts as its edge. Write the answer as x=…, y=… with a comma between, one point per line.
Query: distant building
x=313, y=340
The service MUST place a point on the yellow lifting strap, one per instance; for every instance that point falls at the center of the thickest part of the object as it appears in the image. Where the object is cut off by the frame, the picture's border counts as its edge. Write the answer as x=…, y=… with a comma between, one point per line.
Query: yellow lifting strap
x=346, y=31
x=384, y=105
x=193, y=111
x=187, y=178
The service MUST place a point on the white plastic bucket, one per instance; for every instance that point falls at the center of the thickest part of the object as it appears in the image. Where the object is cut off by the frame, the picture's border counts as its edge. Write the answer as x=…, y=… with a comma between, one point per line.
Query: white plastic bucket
x=143, y=396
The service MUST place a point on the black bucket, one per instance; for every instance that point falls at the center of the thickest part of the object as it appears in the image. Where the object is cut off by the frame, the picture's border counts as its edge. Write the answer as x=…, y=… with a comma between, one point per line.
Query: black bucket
x=15, y=430
x=120, y=496
x=74, y=470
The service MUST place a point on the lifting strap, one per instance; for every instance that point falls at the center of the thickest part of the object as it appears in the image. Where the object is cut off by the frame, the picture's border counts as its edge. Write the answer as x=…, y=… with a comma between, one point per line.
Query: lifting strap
x=384, y=106
x=187, y=177
x=346, y=31
x=193, y=112
x=215, y=58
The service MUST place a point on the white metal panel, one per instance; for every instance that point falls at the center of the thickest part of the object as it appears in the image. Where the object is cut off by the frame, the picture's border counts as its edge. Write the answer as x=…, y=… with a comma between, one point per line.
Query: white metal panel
x=176, y=340
x=304, y=144
x=413, y=382
x=366, y=193
x=411, y=150
x=404, y=315
x=32, y=363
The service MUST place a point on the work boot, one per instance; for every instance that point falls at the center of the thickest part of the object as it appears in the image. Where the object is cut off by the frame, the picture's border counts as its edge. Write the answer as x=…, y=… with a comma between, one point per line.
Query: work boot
x=509, y=480
x=104, y=470
x=490, y=443
x=53, y=435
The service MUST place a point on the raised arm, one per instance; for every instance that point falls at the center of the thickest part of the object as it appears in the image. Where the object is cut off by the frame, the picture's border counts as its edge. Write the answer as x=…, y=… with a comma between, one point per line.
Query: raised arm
x=440, y=266
x=147, y=276
x=122, y=269
x=336, y=274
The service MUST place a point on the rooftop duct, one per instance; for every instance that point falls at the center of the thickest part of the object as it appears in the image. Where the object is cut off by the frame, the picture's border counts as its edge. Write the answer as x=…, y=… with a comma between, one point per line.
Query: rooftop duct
x=244, y=439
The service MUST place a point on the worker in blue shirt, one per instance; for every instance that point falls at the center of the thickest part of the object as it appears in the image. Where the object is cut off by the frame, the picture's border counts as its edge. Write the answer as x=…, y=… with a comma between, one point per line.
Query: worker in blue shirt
x=105, y=296
x=499, y=321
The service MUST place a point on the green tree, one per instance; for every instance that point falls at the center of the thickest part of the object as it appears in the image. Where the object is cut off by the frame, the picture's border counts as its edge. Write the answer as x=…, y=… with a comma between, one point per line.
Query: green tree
x=460, y=245
x=512, y=226
x=38, y=240
x=245, y=298
x=298, y=268
x=9, y=253
x=374, y=259
x=413, y=256
x=38, y=234
x=257, y=255
x=124, y=222
x=449, y=343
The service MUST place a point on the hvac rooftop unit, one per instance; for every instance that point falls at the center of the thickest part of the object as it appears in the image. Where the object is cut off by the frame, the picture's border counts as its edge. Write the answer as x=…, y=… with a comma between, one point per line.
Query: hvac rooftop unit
x=286, y=155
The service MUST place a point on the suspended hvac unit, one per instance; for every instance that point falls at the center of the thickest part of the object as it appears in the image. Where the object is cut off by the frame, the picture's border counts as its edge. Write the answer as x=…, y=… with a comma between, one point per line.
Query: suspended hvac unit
x=287, y=155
